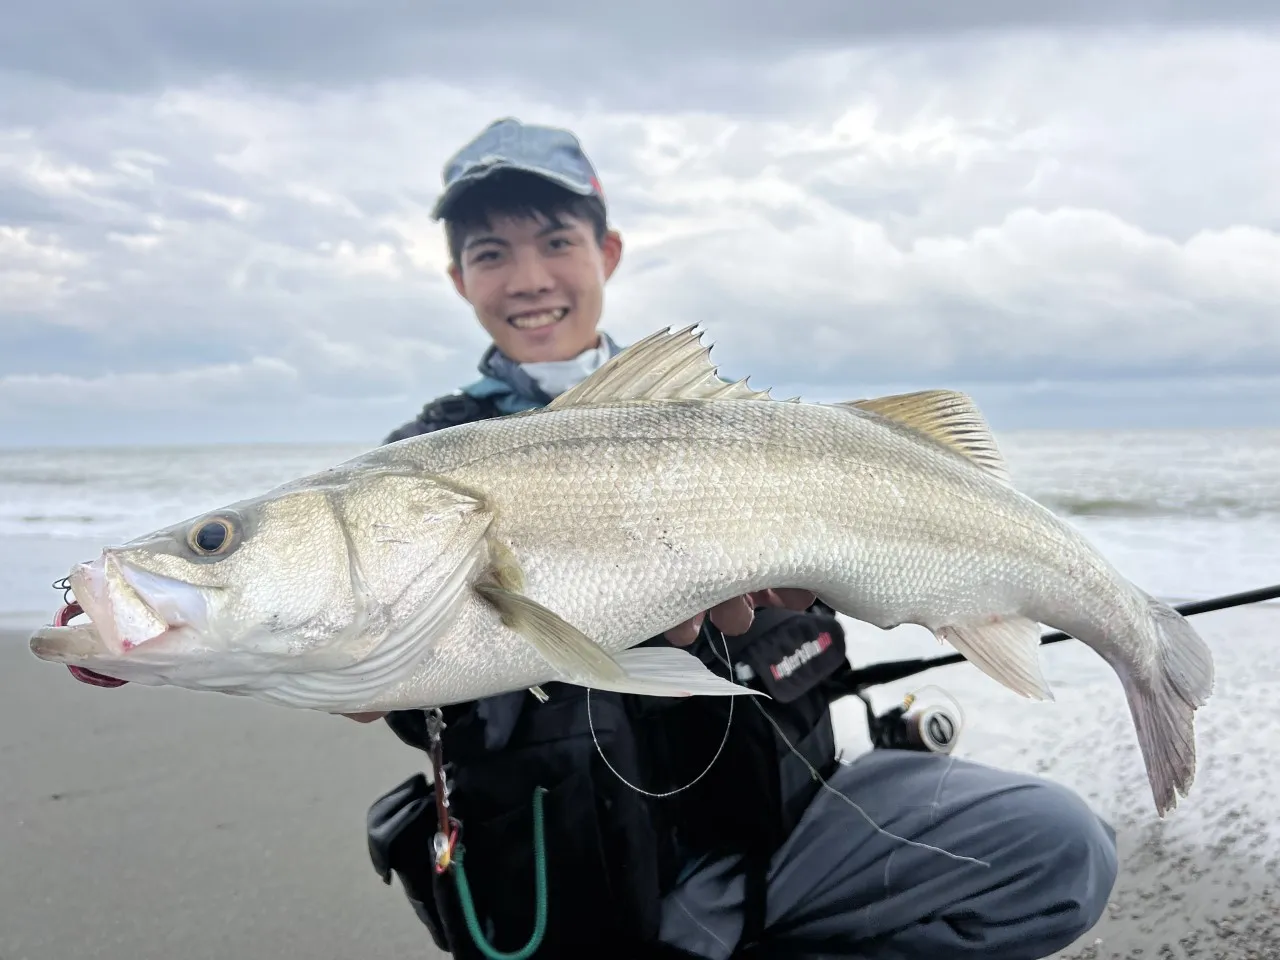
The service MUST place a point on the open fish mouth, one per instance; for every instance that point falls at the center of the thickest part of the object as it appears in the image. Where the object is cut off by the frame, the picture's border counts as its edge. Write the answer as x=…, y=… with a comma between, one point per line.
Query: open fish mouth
x=107, y=590
x=129, y=610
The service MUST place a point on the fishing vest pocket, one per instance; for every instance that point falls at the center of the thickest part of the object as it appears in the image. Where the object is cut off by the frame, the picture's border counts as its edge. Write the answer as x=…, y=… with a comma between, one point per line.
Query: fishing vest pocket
x=603, y=866
x=583, y=906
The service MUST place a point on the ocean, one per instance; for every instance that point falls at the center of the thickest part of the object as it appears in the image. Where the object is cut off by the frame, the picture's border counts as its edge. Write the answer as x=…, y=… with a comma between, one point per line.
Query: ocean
x=1187, y=514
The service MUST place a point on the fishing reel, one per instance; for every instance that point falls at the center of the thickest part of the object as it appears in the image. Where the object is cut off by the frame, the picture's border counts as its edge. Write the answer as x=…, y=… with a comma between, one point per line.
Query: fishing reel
x=912, y=726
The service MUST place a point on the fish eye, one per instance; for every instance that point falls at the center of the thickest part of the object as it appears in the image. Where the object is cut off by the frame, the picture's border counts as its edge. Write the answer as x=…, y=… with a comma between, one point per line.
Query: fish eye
x=211, y=537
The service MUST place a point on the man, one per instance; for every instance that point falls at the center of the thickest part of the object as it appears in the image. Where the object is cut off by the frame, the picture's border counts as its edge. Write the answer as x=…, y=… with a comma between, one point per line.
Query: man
x=694, y=828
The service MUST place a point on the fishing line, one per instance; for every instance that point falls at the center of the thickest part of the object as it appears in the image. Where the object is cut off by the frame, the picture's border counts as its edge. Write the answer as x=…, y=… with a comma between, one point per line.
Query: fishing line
x=813, y=772
x=865, y=816
x=669, y=793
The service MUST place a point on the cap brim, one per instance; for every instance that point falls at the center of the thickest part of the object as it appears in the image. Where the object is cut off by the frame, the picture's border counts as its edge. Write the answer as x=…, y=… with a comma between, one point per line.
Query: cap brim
x=477, y=175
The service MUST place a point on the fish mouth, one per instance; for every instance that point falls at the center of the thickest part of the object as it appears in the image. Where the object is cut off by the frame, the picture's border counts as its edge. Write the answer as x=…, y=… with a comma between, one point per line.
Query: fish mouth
x=131, y=614
x=83, y=650
x=538, y=319
x=128, y=606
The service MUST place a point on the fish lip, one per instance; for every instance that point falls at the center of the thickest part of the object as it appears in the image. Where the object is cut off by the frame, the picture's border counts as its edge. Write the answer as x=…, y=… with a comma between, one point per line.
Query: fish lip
x=81, y=648
x=87, y=584
x=63, y=652
x=69, y=644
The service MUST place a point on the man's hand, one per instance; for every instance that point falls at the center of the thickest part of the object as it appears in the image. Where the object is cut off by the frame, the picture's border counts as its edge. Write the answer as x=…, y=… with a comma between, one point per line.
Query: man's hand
x=734, y=617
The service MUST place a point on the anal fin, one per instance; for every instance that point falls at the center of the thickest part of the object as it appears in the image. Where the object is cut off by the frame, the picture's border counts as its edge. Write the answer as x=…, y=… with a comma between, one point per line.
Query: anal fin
x=1007, y=649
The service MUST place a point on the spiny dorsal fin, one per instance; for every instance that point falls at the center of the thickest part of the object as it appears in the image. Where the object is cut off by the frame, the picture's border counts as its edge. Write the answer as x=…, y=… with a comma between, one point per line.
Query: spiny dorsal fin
x=948, y=418
x=662, y=366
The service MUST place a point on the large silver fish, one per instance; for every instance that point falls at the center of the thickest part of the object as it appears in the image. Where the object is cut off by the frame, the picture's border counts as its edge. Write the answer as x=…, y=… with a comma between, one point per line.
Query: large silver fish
x=544, y=546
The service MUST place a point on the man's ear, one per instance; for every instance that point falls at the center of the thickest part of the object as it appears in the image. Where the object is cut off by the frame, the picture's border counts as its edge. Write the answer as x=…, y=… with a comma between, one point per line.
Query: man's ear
x=455, y=274
x=611, y=250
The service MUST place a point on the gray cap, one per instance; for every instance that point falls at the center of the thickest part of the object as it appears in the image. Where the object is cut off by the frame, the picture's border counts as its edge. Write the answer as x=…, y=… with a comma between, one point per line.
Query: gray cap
x=508, y=144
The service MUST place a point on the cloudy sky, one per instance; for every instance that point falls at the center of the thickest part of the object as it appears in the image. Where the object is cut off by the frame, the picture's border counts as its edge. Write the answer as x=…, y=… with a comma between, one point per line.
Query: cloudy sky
x=214, y=215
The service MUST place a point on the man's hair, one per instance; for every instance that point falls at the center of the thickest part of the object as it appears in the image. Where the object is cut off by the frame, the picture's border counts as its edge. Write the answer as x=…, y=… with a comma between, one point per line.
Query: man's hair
x=514, y=193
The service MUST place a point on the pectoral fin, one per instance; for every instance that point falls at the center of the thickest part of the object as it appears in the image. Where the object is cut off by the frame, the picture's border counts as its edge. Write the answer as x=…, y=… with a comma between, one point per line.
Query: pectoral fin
x=670, y=672
x=652, y=671
x=563, y=645
x=1007, y=649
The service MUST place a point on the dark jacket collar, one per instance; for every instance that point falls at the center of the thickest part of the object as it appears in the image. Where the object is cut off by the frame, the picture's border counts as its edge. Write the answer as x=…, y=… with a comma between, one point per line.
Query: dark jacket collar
x=512, y=389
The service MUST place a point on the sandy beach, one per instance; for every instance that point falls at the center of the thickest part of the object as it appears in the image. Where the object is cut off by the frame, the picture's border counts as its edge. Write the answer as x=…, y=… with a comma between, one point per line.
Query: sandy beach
x=143, y=824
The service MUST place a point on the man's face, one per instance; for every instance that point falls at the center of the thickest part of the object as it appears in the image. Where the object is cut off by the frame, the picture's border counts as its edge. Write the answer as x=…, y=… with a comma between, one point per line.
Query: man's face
x=537, y=286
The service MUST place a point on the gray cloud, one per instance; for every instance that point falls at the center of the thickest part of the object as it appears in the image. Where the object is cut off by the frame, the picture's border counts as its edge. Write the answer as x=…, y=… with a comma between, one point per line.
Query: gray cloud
x=568, y=47
x=998, y=210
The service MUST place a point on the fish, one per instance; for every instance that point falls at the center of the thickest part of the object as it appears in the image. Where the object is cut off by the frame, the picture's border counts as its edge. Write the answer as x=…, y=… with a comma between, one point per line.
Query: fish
x=549, y=545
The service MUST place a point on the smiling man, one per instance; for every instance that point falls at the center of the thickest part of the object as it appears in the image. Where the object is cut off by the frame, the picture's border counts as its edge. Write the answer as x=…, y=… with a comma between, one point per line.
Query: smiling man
x=694, y=827
x=536, y=282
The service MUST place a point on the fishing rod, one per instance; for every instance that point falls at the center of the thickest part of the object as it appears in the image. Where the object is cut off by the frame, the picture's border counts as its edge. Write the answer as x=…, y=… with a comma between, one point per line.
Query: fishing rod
x=892, y=670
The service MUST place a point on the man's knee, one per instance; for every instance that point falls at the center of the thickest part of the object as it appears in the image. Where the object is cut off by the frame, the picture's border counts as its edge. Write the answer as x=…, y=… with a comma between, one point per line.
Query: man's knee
x=1072, y=852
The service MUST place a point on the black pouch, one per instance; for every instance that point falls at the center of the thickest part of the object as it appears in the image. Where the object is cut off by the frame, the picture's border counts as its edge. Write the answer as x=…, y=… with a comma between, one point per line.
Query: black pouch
x=401, y=825
x=604, y=852
x=792, y=653
x=795, y=658
x=606, y=857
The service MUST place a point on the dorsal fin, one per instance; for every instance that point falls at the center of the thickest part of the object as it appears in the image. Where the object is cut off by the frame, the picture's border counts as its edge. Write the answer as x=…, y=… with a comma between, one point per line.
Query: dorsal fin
x=662, y=366
x=948, y=418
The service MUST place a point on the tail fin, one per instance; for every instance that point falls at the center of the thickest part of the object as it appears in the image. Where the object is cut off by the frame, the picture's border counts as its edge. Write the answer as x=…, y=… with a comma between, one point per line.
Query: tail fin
x=1164, y=701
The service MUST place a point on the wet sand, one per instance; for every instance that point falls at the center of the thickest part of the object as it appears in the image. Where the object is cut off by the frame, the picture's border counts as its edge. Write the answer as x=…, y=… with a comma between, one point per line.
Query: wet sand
x=141, y=824
x=145, y=824
x=1205, y=883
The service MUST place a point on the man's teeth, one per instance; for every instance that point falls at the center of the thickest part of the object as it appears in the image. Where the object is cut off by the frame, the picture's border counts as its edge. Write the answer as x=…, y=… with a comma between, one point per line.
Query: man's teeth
x=531, y=321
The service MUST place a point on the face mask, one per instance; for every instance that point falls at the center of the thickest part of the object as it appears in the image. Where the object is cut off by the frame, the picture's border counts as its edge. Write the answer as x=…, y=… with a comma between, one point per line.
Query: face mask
x=557, y=376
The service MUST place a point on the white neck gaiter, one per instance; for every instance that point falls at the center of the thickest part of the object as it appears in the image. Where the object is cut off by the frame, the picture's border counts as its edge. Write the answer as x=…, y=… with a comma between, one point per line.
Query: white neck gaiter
x=557, y=376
